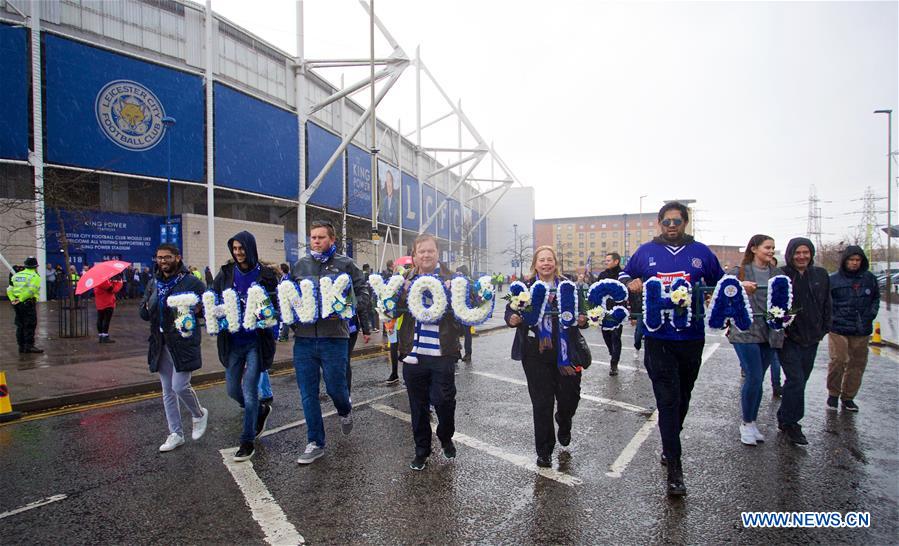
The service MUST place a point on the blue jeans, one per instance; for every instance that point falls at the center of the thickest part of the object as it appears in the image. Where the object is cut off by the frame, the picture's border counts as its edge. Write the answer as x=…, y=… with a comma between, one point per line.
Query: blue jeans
x=265, y=386
x=638, y=335
x=797, y=362
x=242, y=378
x=775, y=370
x=754, y=359
x=328, y=355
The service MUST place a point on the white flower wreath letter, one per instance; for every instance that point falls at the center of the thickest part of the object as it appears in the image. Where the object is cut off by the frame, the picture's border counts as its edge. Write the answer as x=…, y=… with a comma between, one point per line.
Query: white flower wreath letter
x=183, y=304
x=415, y=301
x=334, y=301
x=465, y=314
x=225, y=314
x=298, y=303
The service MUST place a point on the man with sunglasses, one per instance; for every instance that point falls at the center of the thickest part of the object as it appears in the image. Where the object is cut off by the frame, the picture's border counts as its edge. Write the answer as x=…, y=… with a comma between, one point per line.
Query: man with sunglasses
x=673, y=356
x=321, y=349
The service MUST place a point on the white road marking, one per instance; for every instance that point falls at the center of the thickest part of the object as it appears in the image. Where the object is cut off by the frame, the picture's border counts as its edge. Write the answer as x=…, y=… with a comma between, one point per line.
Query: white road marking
x=606, y=401
x=627, y=454
x=33, y=505
x=518, y=460
x=603, y=346
x=264, y=509
x=630, y=450
x=295, y=424
x=267, y=513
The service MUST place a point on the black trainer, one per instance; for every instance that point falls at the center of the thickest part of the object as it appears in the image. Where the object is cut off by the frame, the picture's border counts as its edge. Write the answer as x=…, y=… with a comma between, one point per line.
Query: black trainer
x=777, y=391
x=676, y=487
x=849, y=405
x=564, y=437
x=613, y=369
x=245, y=452
x=466, y=359
x=392, y=380
x=34, y=350
x=663, y=460
x=449, y=450
x=832, y=403
x=265, y=412
x=544, y=462
x=418, y=463
x=794, y=434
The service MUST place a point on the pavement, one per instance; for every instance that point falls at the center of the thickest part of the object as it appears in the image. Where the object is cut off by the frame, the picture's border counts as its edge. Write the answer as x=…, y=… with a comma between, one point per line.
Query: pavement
x=94, y=474
x=80, y=370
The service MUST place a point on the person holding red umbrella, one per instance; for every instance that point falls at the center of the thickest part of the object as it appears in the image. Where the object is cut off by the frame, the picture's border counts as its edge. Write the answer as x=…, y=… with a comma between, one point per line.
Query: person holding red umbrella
x=105, y=300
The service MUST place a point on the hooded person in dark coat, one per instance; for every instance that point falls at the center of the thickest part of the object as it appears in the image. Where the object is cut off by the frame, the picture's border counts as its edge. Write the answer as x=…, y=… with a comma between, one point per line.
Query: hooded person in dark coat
x=856, y=301
x=246, y=354
x=811, y=300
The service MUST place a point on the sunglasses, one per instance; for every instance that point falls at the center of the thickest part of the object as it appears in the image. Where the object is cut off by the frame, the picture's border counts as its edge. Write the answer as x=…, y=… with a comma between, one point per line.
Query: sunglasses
x=668, y=222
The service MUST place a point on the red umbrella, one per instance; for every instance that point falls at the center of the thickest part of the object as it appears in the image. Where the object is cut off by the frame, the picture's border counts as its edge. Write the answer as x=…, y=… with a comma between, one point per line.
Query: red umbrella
x=100, y=272
x=403, y=261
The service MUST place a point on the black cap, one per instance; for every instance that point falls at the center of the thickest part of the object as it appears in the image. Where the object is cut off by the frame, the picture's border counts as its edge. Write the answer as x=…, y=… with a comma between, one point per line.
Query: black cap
x=30, y=262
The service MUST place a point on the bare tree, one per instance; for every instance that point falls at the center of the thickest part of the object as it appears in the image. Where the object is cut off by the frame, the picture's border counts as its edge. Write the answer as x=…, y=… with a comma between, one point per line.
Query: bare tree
x=520, y=251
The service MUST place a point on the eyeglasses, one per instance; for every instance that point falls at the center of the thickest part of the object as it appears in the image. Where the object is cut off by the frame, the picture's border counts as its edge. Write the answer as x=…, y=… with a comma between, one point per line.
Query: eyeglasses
x=668, y=222
x=165, y=258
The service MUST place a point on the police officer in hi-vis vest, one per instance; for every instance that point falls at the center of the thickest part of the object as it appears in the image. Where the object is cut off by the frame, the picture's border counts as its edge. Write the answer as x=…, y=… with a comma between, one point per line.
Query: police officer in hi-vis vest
x=23, y=291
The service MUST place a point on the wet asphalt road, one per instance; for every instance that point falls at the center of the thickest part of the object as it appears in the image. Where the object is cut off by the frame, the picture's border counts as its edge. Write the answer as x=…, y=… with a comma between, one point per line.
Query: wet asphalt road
x=121, y=490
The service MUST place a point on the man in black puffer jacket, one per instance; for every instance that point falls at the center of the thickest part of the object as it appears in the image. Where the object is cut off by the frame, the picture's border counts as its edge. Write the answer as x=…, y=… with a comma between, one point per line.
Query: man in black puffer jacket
x=811, y=296
x=246, y=354
x=170, y=354
x=856, y=301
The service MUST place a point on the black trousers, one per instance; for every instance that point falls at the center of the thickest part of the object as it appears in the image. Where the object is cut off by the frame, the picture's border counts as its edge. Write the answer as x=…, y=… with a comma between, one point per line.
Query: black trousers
x=797, y=362
x=549, y=390
x=673, y=367
x=349, y=370
x=394, y=359
x=613, y=343
x=104, y=317
x=26, y=322
x=467, y=341
x=431, y=381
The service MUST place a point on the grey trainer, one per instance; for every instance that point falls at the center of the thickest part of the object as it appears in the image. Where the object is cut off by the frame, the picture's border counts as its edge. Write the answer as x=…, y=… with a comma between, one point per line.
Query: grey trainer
x=313, y=452
x=346, y=423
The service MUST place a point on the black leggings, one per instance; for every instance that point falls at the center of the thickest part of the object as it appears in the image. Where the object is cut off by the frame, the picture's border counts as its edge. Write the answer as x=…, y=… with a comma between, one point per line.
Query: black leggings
x=104, y=317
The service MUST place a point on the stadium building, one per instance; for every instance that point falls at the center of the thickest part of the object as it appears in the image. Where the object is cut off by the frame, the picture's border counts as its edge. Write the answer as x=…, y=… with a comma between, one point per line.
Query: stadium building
x=111, y=111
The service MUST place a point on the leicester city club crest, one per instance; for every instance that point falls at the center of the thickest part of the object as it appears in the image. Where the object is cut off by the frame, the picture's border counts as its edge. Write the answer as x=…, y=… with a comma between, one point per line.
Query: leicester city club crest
x=130, y=115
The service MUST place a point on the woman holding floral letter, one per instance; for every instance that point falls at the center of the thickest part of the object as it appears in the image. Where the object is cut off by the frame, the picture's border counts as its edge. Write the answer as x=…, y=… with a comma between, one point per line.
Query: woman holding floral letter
x=755, y=347
x=549, y=359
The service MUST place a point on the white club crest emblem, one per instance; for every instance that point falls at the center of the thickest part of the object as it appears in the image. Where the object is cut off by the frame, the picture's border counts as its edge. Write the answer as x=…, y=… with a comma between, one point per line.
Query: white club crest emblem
x=730, y=291
x=130, y=115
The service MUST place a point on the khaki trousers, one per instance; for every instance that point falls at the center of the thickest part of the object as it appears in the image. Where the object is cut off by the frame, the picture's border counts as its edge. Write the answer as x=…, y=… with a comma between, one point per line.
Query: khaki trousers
x=848, y=358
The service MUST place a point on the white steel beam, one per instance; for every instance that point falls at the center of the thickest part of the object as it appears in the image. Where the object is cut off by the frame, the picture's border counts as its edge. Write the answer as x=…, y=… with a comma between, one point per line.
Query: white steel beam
x=430, y=123
x=504, y=184
x=489, y=210
x=37, y=155
x=361, y=84
x=305, y=195
x=300, y=94
x=451, y=192
x=477, y=154
x=210, y=138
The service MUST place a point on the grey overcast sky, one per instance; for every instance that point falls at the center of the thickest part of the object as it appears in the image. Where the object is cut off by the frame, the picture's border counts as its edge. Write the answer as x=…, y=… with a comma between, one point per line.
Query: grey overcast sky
x=739, y=105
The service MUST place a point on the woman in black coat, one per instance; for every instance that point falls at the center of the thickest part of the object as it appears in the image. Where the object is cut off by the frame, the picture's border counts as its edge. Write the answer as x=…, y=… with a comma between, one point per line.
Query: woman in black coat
x=550, y=385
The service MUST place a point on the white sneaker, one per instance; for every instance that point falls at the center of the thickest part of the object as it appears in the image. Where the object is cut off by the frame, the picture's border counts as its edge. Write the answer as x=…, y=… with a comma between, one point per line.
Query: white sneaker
x=759, y=437
x=312, y=453
x=173, y=441
x=346, y=423
x=746, y=434
x=200, y=423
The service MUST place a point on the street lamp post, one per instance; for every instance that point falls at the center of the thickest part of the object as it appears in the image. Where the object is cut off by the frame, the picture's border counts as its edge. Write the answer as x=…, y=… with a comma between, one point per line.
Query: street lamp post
x=169, y=123
x=889, y=278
